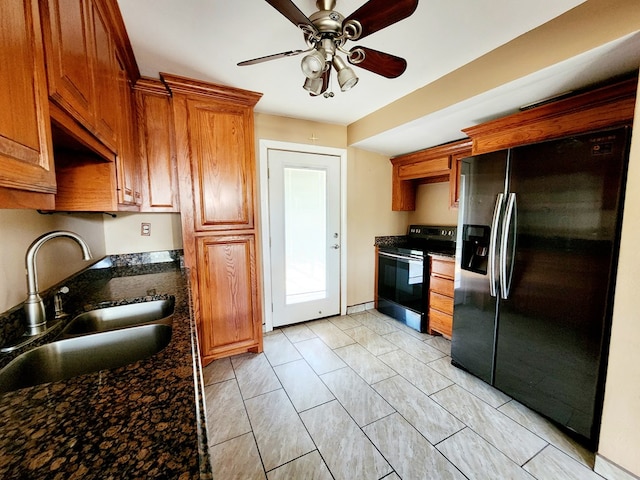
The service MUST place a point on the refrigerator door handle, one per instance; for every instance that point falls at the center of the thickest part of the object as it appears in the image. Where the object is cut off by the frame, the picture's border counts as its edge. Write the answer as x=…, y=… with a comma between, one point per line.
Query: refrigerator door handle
x=510, y=215
x=493, y=243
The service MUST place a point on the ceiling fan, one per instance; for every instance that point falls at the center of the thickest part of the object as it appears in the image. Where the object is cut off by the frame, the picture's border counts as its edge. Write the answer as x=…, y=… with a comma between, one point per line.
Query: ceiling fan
x=326, y=33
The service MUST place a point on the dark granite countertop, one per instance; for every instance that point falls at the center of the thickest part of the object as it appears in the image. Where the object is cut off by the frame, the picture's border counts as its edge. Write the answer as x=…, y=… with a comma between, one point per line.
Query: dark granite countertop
x=145, y=420
x=447, y=256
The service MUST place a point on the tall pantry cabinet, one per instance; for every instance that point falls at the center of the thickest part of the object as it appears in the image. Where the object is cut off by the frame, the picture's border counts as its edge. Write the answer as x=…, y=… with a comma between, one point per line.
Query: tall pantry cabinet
x=216, y=169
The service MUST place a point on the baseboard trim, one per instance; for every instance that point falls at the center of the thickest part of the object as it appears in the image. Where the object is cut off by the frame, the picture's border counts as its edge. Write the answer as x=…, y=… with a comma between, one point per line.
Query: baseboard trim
x=362, y=307
x=612, y=471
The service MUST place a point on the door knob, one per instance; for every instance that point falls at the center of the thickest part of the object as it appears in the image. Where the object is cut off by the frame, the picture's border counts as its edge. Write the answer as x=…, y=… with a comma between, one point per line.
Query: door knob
x=335, y=247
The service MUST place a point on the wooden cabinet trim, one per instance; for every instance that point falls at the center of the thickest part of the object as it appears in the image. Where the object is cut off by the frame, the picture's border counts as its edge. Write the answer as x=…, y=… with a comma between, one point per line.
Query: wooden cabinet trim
x=225, y=94
x=432, y=153
x=429, y=168
x=604, y=107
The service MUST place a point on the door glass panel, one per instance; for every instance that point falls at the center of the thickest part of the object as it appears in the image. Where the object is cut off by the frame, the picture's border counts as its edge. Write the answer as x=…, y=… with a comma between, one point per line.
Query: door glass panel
x=305, y=207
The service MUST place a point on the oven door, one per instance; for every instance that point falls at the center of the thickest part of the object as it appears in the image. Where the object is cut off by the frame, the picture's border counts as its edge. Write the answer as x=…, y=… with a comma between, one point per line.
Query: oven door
x=401, y=280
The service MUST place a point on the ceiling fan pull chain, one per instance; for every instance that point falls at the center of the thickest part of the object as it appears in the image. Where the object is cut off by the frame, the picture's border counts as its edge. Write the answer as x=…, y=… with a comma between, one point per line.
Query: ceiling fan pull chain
x=329, y=92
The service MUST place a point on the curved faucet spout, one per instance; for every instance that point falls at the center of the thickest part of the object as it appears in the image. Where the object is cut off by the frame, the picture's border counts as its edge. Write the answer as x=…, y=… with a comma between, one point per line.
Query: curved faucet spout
x=33, y=305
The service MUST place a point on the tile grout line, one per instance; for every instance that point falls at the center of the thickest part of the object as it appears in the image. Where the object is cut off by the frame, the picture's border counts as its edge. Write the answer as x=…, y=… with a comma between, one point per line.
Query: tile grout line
x=445, y=355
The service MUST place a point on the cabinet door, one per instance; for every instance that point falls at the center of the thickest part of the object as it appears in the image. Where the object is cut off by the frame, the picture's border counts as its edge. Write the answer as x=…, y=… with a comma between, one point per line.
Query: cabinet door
x=154, y=115
x=127, y=166
x=228, y=295
x=26, y=162
x=68, y=50
x=454, y=179
x=105, y=77
x=222, y=159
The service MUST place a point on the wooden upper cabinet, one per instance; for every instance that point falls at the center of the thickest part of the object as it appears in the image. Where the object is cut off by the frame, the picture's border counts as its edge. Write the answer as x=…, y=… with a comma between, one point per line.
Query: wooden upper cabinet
x=222, y=157
x=215, y=132
x=67, y=37
x=156, y=147
x=105, y=75
x=128, y=168
x=432, y=165
x=26, y=161
x=82, y=68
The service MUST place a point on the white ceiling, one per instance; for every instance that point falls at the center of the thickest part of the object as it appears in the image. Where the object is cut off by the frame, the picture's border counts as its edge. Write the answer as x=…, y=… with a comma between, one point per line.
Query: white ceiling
x=205, y=39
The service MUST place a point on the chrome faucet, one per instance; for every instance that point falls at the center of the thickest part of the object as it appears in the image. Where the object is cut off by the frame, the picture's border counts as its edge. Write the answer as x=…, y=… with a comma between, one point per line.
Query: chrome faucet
x=33, y=305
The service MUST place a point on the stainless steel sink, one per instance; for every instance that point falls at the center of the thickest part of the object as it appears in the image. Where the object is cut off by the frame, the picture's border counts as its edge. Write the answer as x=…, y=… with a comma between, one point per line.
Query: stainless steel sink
x=111, y=318
x=68, y=358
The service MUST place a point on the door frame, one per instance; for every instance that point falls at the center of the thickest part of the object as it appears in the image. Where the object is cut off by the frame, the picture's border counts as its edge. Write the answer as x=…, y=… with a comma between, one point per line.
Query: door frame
x=265, y=229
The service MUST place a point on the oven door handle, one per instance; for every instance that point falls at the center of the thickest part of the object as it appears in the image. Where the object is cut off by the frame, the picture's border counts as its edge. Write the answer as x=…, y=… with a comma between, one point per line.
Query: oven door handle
x=400, y=257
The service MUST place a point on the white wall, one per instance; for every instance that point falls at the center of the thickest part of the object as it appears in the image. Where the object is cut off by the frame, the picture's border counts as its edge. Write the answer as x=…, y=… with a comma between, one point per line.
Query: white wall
x=60, y=258
x=369, y=215
x=122, y=234
x=620, y=435
x=432, y=206
x=56, y=260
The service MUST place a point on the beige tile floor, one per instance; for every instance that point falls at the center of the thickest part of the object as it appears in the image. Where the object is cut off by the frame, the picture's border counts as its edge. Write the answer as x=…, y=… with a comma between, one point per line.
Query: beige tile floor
x=364, y=397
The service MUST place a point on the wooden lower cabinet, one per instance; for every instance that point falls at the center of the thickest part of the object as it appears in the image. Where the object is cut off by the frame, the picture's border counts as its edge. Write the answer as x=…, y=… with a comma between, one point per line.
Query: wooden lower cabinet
x=228, y=294
x=441, y=287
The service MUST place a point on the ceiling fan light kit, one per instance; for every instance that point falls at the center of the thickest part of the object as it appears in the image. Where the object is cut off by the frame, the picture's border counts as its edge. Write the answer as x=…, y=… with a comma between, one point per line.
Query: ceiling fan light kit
x=313, y=85
x=314, y=64
x=326, y=31
x=346, y=77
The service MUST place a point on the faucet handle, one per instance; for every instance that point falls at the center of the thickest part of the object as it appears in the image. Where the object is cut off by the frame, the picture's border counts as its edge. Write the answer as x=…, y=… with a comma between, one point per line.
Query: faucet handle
x=57, y=302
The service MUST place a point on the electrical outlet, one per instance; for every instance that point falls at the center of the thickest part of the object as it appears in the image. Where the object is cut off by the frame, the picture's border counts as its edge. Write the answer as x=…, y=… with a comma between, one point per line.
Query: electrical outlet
x=145, y=229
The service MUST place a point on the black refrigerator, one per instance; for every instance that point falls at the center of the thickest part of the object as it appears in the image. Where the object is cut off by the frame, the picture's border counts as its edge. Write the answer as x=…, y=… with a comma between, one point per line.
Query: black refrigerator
x=539, y=228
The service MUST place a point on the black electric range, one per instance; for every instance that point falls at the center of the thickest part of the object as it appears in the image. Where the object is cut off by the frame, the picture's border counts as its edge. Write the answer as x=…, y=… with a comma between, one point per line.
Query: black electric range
x=403, y=274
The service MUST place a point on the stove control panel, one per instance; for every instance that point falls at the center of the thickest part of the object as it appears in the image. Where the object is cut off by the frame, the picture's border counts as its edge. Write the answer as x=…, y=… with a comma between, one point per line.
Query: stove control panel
x=429, y=232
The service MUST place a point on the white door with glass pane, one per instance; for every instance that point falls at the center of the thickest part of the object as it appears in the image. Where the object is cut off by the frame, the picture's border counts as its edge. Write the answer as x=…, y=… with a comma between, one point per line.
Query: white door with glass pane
x=304, y=220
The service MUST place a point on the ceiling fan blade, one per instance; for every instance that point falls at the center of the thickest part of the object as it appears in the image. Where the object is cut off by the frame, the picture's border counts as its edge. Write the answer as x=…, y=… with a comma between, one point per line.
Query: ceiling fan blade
x=293, y=13
x=378, y=14
x=266, y=58
x=381, y=63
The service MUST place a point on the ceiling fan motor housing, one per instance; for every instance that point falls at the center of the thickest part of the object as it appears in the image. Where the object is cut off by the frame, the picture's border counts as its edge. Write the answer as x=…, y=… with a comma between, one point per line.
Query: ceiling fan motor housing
x=328, y=22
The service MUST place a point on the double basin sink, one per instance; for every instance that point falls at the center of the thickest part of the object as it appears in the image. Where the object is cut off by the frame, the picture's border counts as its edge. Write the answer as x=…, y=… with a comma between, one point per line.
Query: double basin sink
x=96, y=340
